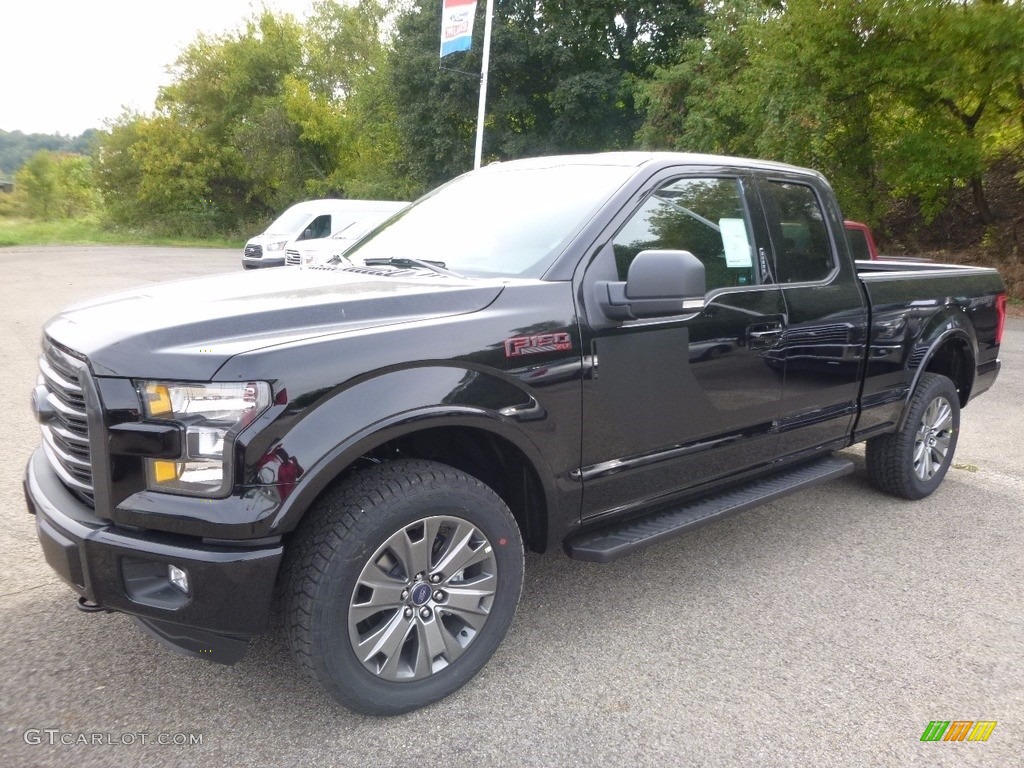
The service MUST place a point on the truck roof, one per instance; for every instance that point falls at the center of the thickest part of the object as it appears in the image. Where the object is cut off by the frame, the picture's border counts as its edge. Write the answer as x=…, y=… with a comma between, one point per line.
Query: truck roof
x=654, y=159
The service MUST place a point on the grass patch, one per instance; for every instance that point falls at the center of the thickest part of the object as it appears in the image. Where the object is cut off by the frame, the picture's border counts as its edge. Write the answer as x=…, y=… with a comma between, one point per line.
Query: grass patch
x=91, y=231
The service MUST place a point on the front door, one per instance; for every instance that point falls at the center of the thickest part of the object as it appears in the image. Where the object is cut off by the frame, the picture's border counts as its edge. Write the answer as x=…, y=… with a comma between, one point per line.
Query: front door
x=677, y=402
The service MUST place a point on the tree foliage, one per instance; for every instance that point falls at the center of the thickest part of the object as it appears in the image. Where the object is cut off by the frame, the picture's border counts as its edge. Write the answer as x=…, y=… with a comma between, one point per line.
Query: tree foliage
x=562, y=79
x=887, y=97
x=892, y=99
x=57, y=185
x=17, y=147
x=254, y=121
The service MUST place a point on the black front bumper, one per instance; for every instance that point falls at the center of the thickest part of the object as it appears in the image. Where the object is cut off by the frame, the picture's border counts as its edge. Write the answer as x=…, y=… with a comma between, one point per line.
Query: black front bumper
x=230, y=589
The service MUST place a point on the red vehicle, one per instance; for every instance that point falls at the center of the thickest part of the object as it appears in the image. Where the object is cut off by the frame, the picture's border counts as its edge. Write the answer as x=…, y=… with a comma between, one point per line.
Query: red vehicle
x=863, y=248
x=862, y=241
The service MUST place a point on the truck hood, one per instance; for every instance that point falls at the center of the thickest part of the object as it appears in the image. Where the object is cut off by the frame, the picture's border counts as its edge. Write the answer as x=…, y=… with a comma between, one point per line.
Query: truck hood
x=188, y=329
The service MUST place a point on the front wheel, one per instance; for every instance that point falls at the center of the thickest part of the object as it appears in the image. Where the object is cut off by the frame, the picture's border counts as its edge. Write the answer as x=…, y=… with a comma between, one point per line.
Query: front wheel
x=912, y=462
x=404, y=582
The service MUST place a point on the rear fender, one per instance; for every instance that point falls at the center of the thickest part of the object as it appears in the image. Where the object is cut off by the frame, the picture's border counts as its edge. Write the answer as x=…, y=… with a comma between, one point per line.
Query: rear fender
x=950, y=324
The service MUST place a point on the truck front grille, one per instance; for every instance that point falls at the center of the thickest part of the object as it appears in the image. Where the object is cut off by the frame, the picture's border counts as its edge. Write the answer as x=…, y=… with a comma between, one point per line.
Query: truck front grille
x=254, y=251
x=66, y=435
x=292, y=258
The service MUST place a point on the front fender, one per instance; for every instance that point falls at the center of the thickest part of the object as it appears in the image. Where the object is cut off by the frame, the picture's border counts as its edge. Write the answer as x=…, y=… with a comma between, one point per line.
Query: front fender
x=349, y=423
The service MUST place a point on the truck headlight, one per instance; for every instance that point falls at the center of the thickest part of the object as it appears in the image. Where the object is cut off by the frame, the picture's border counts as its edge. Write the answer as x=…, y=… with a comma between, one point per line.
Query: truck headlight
x=277, y=246
x=211, y=415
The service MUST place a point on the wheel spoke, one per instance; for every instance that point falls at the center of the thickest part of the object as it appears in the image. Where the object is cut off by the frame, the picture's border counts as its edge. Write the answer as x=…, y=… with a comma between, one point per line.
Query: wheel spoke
x=422, y=664
x=944, y=418
x=414, y=554
x=920, y=460
x=386, y=591
x=466, y=548
x=387, y=640
x=435, y=642
x=474, y=618
x=468, y=596
x=919, y=448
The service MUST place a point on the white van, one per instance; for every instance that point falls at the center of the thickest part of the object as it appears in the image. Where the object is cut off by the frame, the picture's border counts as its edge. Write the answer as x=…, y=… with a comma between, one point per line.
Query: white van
x=315, y=253
x=310, y=220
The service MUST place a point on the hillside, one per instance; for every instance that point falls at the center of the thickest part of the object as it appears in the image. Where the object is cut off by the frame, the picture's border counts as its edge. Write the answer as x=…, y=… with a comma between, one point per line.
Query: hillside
x=958, y=236
x=17, y=147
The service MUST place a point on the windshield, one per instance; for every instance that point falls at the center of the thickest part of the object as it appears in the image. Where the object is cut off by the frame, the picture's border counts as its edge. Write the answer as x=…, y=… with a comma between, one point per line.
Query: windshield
x=289, y=222
x=362, y=223
x=511, y=221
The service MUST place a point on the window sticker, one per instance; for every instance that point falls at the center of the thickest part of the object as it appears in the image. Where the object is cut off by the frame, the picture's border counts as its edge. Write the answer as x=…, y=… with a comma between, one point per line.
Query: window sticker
x=734, y=240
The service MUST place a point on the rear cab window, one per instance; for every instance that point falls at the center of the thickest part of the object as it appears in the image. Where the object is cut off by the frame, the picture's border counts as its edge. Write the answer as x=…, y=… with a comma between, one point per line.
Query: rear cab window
x=803, y=250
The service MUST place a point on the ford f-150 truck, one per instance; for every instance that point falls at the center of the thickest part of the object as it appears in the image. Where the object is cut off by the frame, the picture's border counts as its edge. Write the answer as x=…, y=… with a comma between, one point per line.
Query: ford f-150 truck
x=589, y=352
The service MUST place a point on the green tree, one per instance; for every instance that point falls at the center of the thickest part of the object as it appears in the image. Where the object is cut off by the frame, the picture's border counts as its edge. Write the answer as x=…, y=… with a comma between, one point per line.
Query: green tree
x=887, y=97
x=37, y=180
x=561, y=79
x=956, y=98
x=155, y=172
x=17, y=147
x=257, y=120
x=57, y=185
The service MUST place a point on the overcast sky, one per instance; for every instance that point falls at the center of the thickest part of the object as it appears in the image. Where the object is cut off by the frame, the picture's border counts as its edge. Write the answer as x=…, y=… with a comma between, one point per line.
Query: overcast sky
x=69, y=65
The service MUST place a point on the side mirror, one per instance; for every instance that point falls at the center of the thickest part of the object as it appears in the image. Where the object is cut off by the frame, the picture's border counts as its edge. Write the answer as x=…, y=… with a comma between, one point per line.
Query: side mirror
x=307, y=234
x=658, y=284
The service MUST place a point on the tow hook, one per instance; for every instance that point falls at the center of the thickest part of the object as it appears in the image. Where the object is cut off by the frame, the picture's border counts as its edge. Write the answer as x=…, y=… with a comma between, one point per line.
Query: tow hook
x=85, y=605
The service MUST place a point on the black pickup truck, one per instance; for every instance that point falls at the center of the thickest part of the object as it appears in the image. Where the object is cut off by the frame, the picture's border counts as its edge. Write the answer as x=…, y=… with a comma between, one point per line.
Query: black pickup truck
x=594, y=352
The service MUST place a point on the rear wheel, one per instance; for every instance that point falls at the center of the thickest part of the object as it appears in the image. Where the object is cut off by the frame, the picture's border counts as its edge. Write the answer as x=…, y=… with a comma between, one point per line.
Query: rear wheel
x=404, y=582
x=912, y=462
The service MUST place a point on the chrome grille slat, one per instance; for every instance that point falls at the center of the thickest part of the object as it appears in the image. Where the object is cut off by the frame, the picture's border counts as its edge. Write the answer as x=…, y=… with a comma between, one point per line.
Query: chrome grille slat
x=73, y=464
x=57, y=383
x=66, y=477
x=68, y=413
x=74, y=440
x=66, y=434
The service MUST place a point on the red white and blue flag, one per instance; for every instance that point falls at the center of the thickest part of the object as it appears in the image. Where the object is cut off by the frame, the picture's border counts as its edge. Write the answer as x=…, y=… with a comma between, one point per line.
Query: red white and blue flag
x=457, y=25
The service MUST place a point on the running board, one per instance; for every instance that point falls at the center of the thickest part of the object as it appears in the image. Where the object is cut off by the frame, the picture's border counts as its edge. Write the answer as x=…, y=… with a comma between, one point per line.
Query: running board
x=604, y=545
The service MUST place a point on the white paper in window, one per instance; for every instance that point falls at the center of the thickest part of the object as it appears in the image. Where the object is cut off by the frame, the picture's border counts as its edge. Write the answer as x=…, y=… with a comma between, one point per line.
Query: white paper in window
x=734, y=239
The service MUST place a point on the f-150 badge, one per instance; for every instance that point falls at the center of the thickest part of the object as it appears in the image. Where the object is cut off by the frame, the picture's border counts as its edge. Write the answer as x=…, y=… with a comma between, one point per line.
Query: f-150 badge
x=542, y=342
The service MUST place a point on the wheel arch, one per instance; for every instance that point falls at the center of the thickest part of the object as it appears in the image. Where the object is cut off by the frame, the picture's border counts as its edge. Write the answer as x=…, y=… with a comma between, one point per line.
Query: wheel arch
x=949, y=347
x=474, y=440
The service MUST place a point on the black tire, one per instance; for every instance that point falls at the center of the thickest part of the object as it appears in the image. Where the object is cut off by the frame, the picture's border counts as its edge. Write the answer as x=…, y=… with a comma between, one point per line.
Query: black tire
x=912, y=462
x=432, y=630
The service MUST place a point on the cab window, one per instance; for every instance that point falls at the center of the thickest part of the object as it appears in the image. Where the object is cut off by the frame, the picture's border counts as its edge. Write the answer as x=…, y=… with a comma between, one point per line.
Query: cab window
x=318, y=228
x=802, y=250
x=704, y=216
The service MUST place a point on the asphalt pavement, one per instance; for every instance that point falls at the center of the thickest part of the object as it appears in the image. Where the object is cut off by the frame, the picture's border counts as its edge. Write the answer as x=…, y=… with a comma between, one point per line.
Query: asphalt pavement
x=826, y=629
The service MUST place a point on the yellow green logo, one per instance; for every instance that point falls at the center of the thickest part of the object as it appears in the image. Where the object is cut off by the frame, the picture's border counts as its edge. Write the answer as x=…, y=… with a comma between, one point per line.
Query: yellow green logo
x=958, y=730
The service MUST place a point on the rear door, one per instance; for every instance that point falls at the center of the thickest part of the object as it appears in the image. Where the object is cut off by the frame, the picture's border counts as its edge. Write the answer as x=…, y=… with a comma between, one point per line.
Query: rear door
x=822, y=348
x=674, y=402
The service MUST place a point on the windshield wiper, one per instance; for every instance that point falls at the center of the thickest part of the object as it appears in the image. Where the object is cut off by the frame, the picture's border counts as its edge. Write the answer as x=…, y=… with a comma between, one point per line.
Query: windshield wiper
x=401, y=261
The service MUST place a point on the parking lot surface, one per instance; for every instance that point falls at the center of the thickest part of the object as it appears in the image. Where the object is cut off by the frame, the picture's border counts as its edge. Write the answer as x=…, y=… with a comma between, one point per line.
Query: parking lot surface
x=826, y=629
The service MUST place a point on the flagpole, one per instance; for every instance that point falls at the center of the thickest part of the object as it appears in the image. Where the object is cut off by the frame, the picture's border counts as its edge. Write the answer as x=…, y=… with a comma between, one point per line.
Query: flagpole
x=484, y=68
